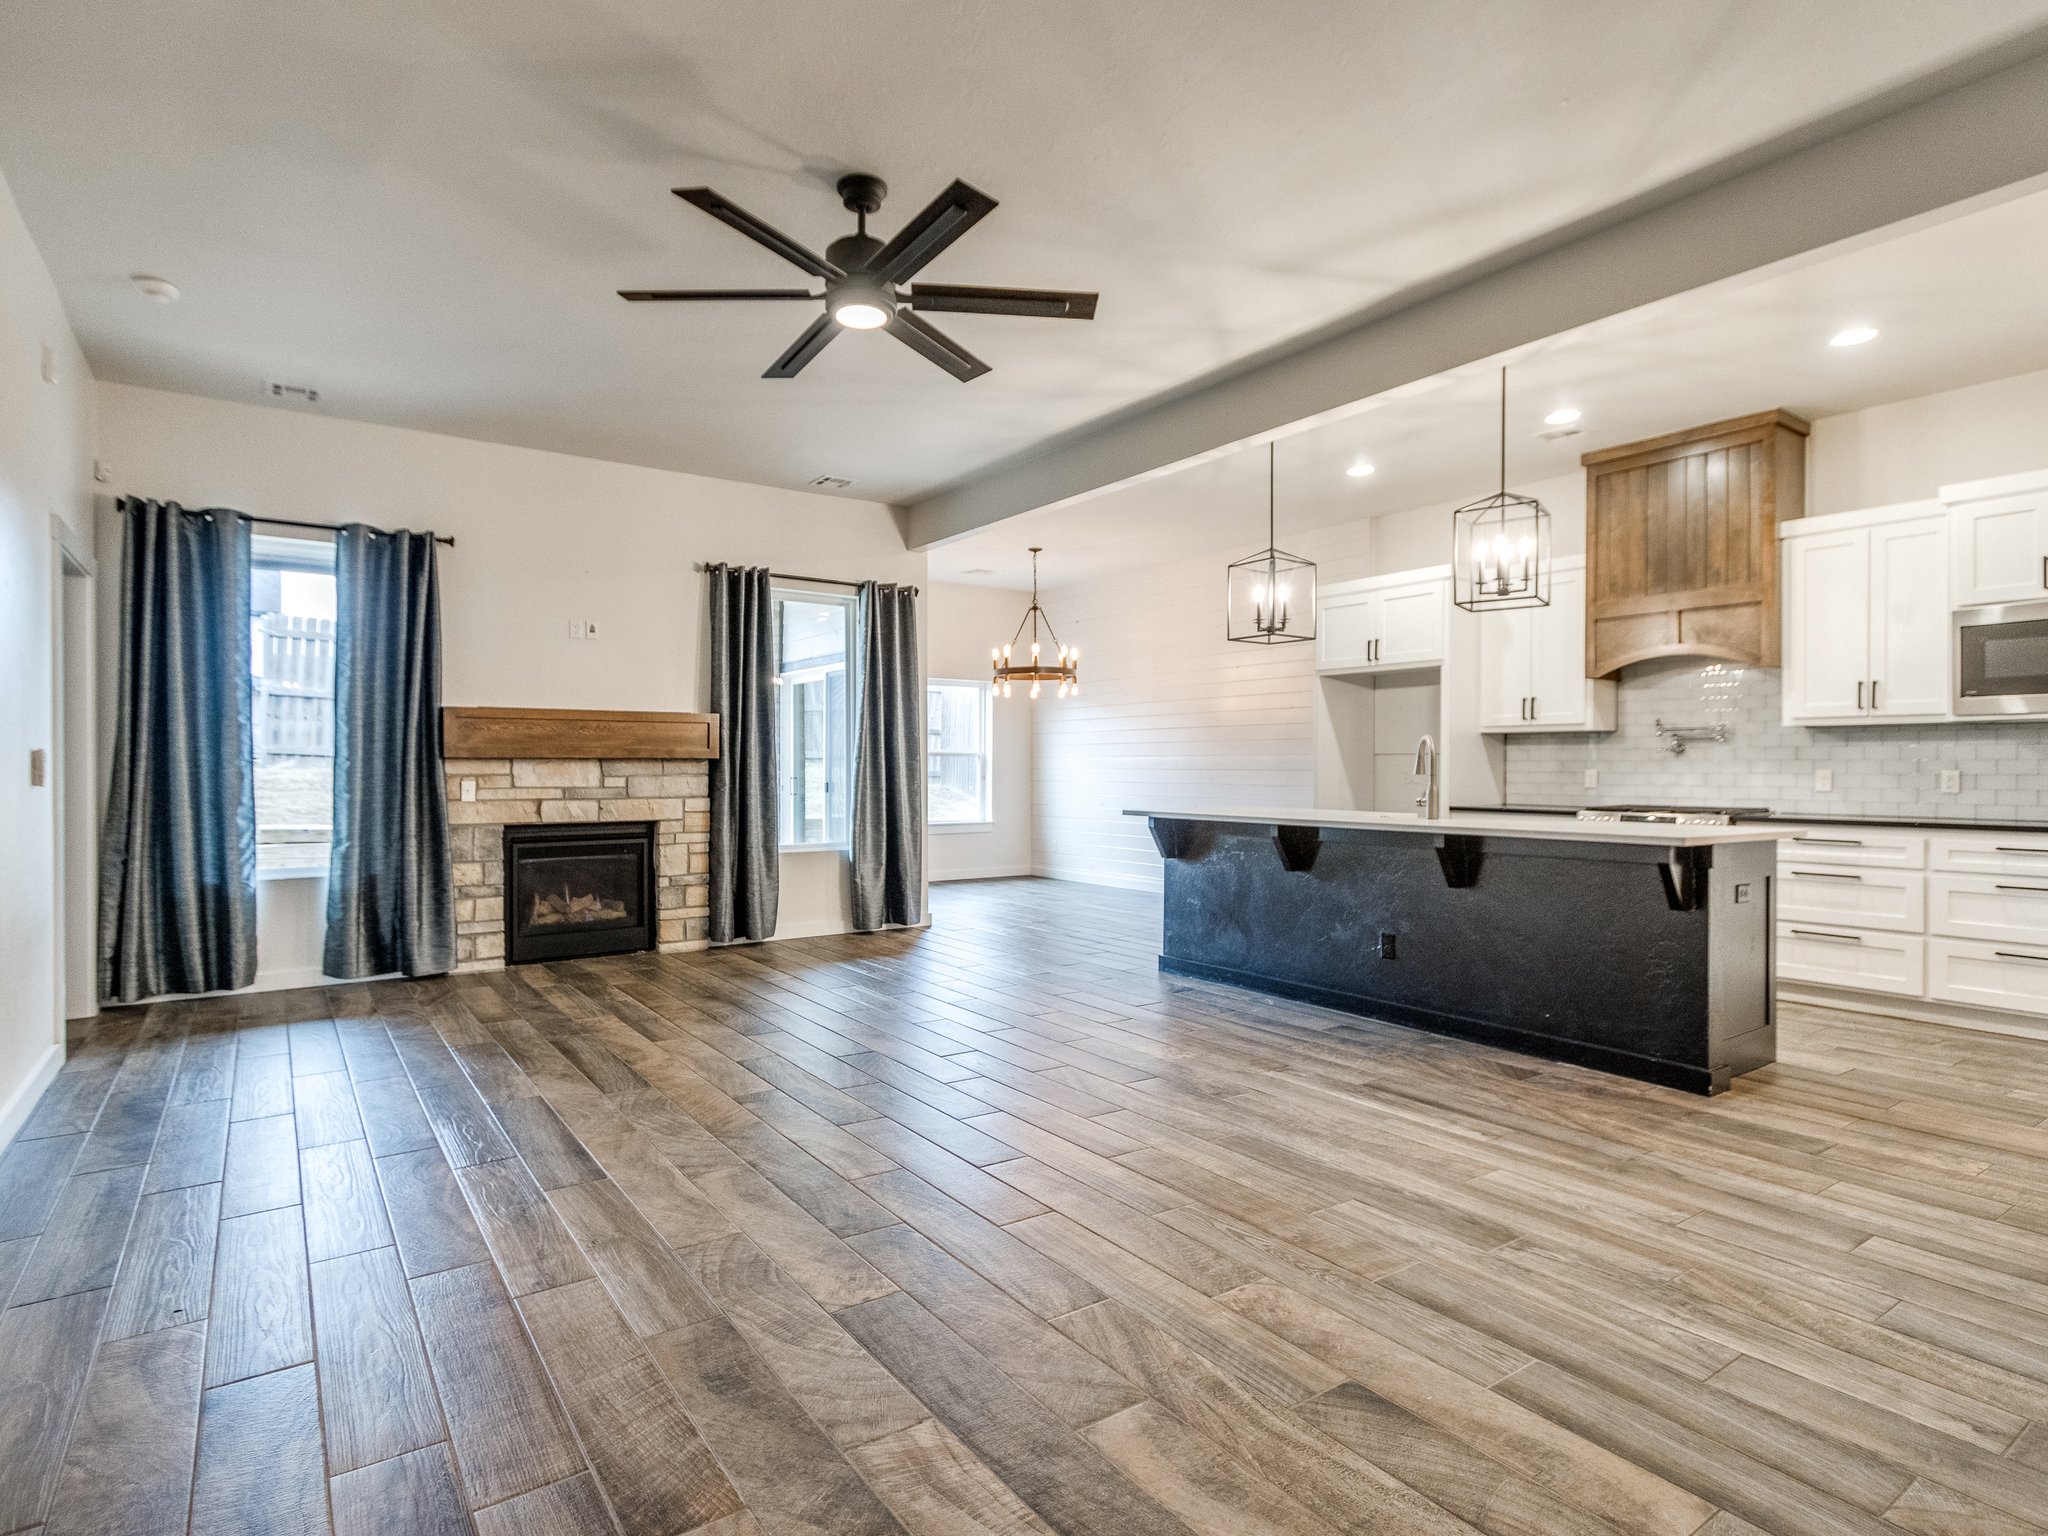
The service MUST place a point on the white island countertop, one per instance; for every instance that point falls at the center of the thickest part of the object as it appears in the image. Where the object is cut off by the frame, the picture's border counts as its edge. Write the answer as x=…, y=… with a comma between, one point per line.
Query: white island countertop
x=1497, y=824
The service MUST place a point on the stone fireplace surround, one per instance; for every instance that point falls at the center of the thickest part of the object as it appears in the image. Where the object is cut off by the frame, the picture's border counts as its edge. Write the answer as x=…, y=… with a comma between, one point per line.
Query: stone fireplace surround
x=674, y=794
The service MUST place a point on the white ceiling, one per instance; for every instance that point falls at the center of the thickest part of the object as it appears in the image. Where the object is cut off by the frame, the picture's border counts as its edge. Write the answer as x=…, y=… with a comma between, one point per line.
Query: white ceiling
x=1956, y=303
x=422, y=207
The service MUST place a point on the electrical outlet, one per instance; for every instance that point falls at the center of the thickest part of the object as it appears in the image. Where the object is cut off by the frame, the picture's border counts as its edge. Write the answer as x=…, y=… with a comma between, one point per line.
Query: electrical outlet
x=590, y=629
x=575, y=629
x=1592, y=778
x=102, y=472
x=1386, y=946
x=1823, y=781
x=1951, y=781
x=468, y=790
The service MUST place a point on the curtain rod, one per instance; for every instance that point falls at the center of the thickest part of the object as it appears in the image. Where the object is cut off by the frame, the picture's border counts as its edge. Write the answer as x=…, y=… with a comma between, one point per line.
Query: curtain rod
x=293, y=522
x=815, y=581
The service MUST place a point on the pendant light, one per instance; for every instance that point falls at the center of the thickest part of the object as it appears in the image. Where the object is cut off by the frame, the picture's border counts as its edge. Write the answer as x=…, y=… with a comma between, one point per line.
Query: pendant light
x=1500, y=544
x=1065, y=669
x=1270, y=597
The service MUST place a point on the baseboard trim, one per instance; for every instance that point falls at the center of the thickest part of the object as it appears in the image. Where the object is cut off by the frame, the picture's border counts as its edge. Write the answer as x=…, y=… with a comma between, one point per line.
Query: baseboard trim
x=1115, y=882
x=22, y=1102
x=1919, y=1009
x=985, y=872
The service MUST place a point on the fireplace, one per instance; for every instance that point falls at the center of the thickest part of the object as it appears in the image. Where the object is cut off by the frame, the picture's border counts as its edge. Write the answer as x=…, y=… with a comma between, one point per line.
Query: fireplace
x=578, y=890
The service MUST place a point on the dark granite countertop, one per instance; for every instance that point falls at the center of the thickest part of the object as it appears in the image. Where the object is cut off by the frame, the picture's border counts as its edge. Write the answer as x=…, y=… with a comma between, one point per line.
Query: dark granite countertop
x=1941, y=824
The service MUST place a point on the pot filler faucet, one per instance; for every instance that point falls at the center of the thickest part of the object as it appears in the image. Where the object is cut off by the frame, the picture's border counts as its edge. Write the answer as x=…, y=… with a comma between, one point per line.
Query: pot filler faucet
x=1429, y=802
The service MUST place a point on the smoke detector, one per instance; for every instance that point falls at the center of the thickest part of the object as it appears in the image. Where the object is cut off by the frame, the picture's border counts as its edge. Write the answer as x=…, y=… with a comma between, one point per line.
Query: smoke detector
x=299, y=394
x=831, y=483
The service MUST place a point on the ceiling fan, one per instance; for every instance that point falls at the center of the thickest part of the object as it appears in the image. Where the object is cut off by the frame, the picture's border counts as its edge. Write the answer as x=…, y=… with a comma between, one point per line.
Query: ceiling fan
x=863, y=278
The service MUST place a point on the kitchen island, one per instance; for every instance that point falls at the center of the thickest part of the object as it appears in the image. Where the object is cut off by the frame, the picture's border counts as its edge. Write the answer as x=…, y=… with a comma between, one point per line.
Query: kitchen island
x=1642, y=950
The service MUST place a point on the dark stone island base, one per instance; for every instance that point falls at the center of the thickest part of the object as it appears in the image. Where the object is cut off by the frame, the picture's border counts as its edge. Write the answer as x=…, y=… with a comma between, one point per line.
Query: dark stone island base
x=1647, y=959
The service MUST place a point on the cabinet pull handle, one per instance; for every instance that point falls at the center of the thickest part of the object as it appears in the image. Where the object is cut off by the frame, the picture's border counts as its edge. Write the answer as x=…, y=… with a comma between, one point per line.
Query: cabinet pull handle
x=2044, y=570
x=2013, y=954
x=1839, y=938
x=1846, y=842
x=2038, y=890
x=2003, y=849
x=1873, y=693
x=1822, y=874
x=1859, y=695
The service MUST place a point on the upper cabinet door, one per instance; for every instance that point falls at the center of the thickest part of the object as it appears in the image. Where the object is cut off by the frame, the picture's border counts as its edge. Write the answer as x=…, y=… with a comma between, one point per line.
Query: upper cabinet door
x=1909, y=618
x=1506, y=665
x=1346, y=627
x=2001, y=550
x=1558, y=688
x=1827, y=626
x=1411, y=625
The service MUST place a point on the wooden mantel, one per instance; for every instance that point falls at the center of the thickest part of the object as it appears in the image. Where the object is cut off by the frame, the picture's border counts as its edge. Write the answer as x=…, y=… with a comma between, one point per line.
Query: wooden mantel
x=620, y=733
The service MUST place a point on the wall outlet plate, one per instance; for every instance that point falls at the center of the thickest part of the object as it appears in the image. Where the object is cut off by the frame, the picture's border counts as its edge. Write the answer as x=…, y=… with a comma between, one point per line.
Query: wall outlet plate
x=468, y=789
x=1823, y=781
x=1387, y=946
x=1592, y=778
x=1951, y=781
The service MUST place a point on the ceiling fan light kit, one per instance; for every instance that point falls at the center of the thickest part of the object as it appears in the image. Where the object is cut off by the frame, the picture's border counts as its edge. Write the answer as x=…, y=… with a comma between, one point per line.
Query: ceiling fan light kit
x=864, y=277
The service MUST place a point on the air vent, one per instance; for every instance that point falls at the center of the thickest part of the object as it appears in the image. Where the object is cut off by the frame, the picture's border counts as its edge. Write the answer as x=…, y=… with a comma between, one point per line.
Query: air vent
x=298, y=393
x=831, y=483
x=1558, y=432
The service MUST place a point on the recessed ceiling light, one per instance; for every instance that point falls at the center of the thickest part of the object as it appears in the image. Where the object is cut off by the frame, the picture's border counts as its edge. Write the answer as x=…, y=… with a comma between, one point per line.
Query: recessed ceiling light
x=1360, y=469
x=156, y=289
x=1563, y=416
x=1854, y=336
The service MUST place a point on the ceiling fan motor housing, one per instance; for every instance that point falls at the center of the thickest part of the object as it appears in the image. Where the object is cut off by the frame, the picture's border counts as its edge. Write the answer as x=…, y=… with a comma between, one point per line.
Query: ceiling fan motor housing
x=862, y=193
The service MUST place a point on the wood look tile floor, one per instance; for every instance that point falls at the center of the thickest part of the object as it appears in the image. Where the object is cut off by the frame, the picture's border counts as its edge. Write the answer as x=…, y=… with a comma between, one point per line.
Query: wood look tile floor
x=992, y=1229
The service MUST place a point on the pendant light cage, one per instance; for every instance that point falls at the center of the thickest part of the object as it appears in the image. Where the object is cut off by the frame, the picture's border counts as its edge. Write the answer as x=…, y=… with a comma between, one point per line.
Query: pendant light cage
x=1500, y=544
x=1033, y=668
x=1270, y=597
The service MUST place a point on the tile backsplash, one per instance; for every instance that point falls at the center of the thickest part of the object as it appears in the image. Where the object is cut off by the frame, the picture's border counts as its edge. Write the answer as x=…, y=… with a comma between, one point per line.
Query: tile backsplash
x=1878, y=770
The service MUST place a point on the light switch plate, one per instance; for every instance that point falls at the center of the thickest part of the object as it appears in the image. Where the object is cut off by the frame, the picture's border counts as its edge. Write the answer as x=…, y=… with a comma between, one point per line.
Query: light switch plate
x=1823, y=781
x=468, y=789
x=1592, y=778
x=575, y=629
x=1951, y=781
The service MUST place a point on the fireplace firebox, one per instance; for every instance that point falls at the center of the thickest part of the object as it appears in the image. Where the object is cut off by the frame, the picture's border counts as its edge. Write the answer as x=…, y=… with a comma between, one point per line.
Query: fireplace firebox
x=576, y=890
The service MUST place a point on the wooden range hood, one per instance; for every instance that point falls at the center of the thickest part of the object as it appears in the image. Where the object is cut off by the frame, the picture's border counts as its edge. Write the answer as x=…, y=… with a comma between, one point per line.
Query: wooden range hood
x=1682, y=542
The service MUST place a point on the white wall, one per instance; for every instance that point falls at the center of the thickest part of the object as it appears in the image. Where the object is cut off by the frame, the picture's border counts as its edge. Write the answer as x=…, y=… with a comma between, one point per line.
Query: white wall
x=1908, y=450
x=541, y=538
x=961, y=624
x=45, y=457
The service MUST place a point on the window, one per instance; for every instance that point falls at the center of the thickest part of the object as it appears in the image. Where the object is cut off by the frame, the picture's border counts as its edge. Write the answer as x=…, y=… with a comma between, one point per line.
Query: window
x=957, y=730
x=291, y=664
x=814, y=695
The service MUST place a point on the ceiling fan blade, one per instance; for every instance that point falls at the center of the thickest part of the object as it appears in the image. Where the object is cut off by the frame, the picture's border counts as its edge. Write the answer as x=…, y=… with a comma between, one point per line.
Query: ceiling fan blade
x=743, y=221
x=933, y=344
x=945, y=219
x=807, y=346
x=644, y=294
x=1048, y=303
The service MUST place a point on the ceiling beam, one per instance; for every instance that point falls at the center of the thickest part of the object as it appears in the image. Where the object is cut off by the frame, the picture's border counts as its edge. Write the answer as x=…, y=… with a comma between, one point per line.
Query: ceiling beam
x=1969, y=131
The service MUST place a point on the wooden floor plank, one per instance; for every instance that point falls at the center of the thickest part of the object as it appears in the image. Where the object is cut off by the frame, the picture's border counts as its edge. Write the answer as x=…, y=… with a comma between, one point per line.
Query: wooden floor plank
x=32, y=1177
x=261, y=1318
x=343, y=1206
x=428, y=1214
x=410, y=1495
x=376, y=1394
x=572, y=1507
x=262, y=1169
x=532, y=1248
x=647, y=1282
x=166, y=1275
x=80, y=1248
x=128, y=1471
x=261, y=1470
x=45, y=1350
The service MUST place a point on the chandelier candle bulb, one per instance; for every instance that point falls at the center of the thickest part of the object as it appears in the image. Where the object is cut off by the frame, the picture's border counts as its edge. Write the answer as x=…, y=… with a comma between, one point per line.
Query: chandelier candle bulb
x=1035, y=671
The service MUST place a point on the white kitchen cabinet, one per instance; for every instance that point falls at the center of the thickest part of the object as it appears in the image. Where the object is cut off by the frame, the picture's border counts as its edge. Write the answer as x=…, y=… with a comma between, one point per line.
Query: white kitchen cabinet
x=1895, y=900
x=1895, y=963
x=2003, y=976
x=1867, y=846
x=1998, y=533
x=2004, y=909
x=1532, y=664
x=1388, y=623
x=1866, y=616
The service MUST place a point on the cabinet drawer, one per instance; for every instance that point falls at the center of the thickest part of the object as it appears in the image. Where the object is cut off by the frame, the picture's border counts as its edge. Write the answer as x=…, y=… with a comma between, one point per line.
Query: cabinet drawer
x=2009, y=976
x=1859, y=898
x=2007, y=853
x=1842, y=957
x=1855, y=845
x=2011, y=910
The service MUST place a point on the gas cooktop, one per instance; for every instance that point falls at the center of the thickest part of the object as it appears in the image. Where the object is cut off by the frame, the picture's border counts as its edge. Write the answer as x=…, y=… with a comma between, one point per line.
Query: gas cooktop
x=1678, y=815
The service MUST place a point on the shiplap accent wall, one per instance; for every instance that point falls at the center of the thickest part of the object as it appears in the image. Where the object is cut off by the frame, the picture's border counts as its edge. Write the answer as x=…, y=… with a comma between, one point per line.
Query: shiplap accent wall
x=1170, y=713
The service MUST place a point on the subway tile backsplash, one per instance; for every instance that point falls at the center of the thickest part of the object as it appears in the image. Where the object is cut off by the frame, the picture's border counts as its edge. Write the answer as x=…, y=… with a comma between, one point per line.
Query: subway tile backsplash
x=1878, y=770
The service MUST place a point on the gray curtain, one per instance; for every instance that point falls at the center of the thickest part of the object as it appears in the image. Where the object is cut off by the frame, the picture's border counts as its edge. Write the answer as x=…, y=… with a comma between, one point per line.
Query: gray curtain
x=390, y=887
x=178, y=852
x=888, y=765
x=745, y=877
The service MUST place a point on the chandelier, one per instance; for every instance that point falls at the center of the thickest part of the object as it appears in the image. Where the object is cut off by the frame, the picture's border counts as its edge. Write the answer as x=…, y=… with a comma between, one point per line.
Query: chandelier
x=1270, y=597
x=1500, y=544
x=1064, y=669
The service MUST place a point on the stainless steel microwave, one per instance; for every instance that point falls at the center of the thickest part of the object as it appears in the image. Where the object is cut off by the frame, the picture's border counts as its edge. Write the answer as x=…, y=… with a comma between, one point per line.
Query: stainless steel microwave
x=2001, y=659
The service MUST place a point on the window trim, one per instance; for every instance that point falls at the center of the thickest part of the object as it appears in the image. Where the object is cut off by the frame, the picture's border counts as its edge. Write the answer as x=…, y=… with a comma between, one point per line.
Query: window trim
x=777, y=592
x=987, y=821
x=286, y=553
